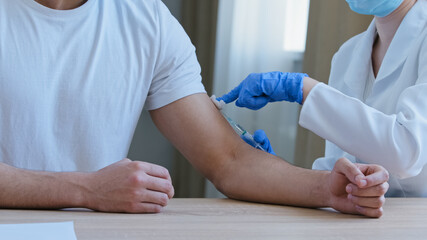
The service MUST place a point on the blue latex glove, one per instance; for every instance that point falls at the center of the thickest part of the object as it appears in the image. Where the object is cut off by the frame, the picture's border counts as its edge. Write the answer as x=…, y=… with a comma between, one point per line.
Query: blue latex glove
x=258, y=89
x=261, y=138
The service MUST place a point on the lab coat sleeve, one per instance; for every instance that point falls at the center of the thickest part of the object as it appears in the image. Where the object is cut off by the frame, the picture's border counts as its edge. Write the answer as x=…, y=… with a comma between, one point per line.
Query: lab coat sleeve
x=397, y=141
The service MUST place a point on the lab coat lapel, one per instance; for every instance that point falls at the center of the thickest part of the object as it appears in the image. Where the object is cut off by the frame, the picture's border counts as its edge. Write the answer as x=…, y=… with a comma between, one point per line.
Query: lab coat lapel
x=360, y=64
x=406, y=34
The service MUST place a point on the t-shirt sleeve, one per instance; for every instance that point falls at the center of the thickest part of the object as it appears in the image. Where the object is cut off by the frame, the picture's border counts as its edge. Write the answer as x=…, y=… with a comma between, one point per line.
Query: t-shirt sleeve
x=177, y=71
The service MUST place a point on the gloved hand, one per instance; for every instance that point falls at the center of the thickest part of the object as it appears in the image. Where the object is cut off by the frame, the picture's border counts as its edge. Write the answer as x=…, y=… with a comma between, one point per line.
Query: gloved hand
x=258, y=89
x=261, y=138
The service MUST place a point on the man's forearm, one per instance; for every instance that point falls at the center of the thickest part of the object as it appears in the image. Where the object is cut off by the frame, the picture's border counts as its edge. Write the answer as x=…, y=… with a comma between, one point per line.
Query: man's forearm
x=272, y=180
x=205, y=138
x=35, y=189
x=124, y=186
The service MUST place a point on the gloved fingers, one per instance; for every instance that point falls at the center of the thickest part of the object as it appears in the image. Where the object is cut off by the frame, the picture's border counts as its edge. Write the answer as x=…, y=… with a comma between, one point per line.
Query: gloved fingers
x=251, y=102
x=232, y=95
x=271, y=151
x=261, y=137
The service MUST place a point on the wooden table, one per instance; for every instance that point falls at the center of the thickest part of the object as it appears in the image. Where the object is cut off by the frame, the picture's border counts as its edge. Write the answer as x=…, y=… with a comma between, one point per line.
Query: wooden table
x=228, y=219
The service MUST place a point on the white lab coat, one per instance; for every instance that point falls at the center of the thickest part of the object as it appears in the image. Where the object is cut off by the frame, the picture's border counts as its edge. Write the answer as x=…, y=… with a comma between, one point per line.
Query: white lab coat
x=389, y=127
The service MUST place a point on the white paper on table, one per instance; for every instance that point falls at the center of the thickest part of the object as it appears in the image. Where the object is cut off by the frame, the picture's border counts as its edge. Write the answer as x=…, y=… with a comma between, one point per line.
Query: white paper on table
x=38, y=231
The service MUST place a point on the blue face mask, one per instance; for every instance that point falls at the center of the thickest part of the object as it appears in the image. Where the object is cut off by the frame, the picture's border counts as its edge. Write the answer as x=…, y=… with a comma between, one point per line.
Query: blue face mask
x=380, y=8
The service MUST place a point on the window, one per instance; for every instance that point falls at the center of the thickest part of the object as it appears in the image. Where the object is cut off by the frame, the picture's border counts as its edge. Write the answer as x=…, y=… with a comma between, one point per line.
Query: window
x=296, y=20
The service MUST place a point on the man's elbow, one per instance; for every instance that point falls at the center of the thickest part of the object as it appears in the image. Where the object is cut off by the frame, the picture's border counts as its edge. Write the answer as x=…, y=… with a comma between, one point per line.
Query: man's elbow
x=223, y=186
x=222, y=179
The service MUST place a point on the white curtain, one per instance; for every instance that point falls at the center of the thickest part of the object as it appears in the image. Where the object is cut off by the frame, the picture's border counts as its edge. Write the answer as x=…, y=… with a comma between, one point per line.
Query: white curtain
x=260, y=36
x=251, y=38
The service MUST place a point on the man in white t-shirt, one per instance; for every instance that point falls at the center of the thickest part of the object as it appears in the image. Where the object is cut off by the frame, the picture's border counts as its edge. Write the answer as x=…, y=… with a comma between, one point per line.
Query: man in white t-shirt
x=74, y=77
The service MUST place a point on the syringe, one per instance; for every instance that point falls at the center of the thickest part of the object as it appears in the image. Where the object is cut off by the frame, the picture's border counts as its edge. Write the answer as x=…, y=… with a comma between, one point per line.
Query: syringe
x=237, y=128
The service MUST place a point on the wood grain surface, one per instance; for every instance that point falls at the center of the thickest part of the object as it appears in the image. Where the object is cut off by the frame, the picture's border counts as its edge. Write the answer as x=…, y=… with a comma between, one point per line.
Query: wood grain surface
x=229, y=219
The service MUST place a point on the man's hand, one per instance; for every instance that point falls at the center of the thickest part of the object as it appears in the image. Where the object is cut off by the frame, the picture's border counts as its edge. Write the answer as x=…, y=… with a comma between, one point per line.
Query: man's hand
x=133, y=187
x=358, y=188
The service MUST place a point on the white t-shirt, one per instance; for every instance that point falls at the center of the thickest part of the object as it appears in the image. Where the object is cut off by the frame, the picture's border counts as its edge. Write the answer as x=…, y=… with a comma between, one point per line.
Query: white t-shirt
x=73, y=82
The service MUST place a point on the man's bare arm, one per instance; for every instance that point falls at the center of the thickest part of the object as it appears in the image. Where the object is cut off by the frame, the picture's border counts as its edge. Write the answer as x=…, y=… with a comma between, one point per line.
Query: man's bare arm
x=124, y=186
x=203, y=136
x=195, y=126
x=31, y=189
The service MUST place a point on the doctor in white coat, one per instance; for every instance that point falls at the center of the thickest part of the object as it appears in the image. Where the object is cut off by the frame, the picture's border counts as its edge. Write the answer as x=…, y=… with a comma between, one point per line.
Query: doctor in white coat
x=375, y=107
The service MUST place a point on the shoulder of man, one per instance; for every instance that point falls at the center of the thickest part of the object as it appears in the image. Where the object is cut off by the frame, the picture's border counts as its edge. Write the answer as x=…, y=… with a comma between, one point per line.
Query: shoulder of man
x=132, y=8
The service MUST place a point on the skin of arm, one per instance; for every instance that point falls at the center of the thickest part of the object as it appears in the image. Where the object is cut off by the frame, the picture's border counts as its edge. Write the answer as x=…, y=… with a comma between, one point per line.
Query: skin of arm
x=202, y=135
x=31, y=189
x=125, y=186
x=200, y=132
